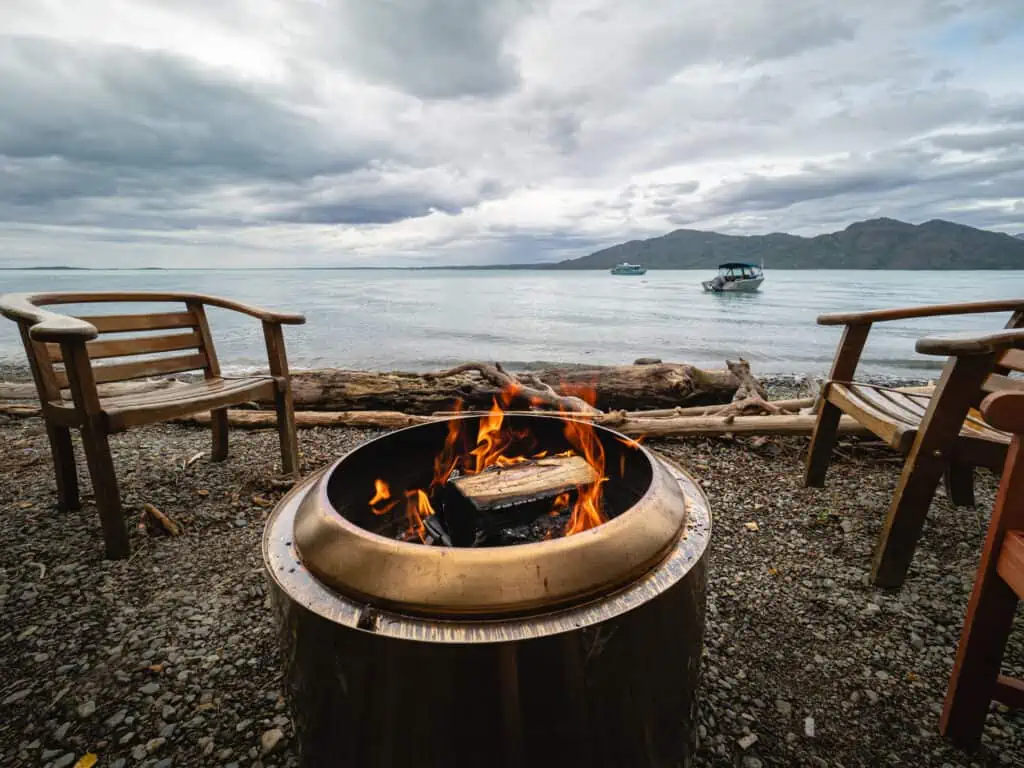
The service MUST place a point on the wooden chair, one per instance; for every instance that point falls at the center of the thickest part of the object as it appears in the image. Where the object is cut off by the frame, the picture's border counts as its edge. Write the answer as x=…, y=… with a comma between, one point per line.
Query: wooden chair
x=937, y=431
x=62, y=354
x=998, y=586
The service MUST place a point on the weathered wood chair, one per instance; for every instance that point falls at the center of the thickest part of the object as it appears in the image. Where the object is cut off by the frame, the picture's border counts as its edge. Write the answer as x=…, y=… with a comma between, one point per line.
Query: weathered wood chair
x=61, y=354
x=938, y=431
x=998, y=586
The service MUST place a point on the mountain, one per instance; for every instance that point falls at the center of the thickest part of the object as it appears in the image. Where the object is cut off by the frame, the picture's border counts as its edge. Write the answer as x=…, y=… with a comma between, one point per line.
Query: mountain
x=872, y=244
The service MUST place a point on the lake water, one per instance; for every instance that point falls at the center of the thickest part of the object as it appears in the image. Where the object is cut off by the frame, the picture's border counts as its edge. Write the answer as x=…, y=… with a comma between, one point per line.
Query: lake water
x=394, y=319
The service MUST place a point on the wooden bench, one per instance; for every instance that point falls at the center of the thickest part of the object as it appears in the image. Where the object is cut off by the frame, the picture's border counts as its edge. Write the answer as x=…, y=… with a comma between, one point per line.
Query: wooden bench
x=66, y=357
x=938, y=432
x=998, y=587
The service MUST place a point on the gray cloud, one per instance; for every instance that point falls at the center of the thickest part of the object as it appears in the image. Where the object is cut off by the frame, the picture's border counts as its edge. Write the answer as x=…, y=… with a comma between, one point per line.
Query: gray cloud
x=404, y=132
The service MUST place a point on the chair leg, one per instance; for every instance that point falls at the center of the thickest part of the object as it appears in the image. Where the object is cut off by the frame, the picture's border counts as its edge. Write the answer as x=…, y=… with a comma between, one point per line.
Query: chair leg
x=285, y=407
x=960, y=484
x=905, y=520
x=108, y=497
x=979, y=656
x=64, y=467
x=219, y=427
x=823, y=442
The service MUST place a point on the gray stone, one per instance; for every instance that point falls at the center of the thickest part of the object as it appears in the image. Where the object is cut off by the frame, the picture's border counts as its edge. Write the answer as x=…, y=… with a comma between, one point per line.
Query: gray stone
x=62, y=731
x=86, y=709
x=64, y=760
x=153, y=745
x=784, y=707
x=150, y=689
x=116, y=719
x=746, y=742
x=17, y=696
x=271, y=739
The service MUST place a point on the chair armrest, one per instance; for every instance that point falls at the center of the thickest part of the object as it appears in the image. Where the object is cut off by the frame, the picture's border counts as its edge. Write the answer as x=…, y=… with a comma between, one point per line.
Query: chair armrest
x=45, y=325
x=932, y=310
x=266, y=315
x=964, y=344
x=1005, y=411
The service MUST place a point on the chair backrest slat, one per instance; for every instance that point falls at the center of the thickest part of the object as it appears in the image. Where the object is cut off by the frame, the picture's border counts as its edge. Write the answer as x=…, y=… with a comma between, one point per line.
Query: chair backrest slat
x=999, y=383
x=138, y=345
x=156, y=321
x=141, y=369
x=1013, y=359
x=142, y=337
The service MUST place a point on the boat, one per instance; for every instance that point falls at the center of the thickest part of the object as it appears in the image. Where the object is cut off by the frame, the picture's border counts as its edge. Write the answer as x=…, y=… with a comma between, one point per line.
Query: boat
x=735, y=276
x=625, y=268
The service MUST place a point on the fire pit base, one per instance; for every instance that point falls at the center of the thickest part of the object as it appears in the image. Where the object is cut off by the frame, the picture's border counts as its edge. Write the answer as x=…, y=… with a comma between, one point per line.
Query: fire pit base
x=612, y=682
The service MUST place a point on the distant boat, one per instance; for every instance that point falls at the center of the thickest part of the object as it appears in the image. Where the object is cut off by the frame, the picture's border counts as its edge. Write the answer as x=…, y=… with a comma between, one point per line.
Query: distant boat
x=735, y=276
x=625, y=268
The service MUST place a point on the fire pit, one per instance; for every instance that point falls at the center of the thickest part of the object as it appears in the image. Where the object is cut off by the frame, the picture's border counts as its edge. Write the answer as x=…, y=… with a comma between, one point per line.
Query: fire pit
x=508, y=590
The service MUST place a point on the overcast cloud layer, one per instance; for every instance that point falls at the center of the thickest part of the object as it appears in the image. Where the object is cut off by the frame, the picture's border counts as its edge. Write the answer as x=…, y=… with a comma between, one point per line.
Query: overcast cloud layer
x=397, y=132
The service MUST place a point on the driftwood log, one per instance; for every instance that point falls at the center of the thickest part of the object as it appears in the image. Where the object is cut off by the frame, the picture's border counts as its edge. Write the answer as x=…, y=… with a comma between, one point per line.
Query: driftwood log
x=634, y=387
x=631, y=425
x=627, y=387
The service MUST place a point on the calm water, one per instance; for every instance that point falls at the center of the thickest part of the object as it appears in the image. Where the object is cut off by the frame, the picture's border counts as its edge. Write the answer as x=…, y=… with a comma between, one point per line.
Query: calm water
x=422, y=320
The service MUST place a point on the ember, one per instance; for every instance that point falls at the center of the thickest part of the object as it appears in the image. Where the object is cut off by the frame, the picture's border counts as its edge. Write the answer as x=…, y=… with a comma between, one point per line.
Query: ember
x=500, y=486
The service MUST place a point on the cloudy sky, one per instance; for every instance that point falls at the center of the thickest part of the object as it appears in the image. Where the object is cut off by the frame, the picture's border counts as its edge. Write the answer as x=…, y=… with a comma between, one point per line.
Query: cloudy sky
x=415, y=132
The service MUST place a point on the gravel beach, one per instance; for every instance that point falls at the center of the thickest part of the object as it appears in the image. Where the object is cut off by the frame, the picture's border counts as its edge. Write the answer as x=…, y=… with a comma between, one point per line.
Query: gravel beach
x=170, y=658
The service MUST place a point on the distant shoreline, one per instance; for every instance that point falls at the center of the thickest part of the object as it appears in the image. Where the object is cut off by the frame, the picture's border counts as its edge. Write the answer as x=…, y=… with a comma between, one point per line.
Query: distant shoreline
x=494, y=268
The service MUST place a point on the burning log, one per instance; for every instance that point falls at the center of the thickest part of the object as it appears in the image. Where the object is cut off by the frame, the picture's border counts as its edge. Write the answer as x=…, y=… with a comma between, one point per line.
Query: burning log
x=477, y=508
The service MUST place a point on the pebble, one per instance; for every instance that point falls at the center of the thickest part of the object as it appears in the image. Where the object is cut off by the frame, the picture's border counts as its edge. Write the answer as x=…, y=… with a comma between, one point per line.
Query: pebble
x=270, y=740
x=809, y=727
x=86, y=709
x=149, y=689
x=64, y=760
x=116, y=719
x=17, y=696
x=746, y=742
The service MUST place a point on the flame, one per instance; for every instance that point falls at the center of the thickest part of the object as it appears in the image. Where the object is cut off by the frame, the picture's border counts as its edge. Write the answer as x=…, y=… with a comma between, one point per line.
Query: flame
x=383, y=493
x=498, y=446
x=448, y=458
x=490, y=440
x=586, y=512
x=417, y=507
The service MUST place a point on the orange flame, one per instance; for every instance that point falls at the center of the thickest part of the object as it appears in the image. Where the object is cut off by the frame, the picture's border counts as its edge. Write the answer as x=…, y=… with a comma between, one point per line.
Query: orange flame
x=383, y=493
x=586, y=512
x=417, y=507
x=493, y=442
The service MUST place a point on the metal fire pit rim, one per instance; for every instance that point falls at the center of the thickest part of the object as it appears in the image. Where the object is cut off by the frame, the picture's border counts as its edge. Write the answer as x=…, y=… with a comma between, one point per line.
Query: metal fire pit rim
x=534, y=577
x=286, y=569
